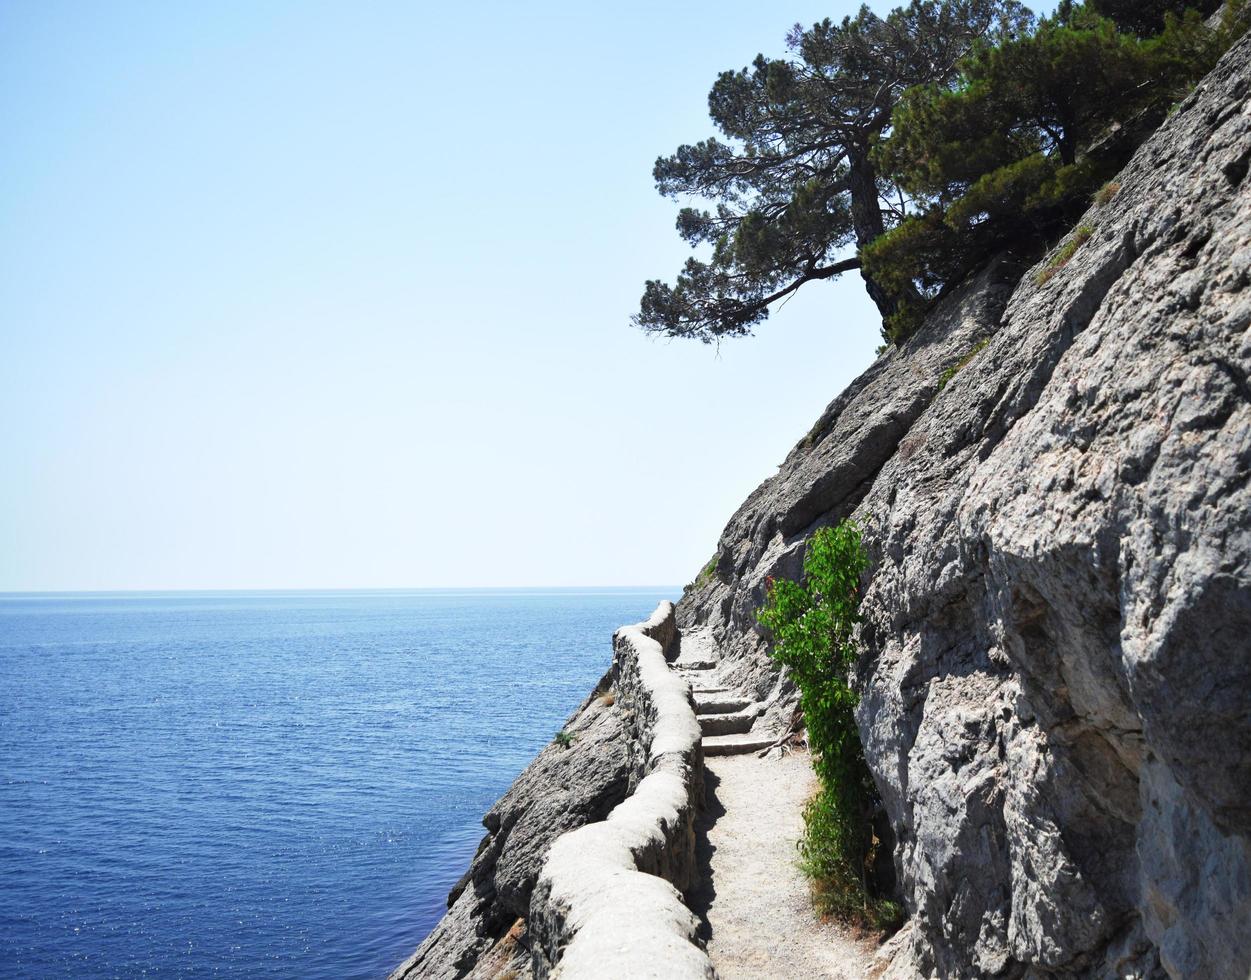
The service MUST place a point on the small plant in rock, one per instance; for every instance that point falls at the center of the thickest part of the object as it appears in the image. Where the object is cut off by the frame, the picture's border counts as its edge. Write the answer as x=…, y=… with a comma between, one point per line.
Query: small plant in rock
x=564, y=739
x=1105, y=193
x=955, y=369
x=706, y=575
x=811, y=623
x=1066, y=252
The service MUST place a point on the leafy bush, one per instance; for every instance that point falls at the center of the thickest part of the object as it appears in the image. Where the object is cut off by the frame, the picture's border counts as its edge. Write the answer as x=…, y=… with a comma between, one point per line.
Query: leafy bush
x=811, y=624
x=839, y=887
x=563, y=739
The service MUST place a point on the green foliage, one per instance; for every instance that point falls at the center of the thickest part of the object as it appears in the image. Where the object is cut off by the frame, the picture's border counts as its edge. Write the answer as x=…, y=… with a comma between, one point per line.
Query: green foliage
x=1235, y=21
x=924, y=251
x=956, y=368
x=563, y=739
x=1146, y=17
x=1010, y=153
x=1058, y=261
x=837, y=889
x=1002, y=140
x=791, y=182
x=915, y=145
x=811, y=624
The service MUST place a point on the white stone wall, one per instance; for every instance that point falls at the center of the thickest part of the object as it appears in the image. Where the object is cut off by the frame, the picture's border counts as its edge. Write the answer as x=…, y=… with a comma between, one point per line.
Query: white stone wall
x=608, y=902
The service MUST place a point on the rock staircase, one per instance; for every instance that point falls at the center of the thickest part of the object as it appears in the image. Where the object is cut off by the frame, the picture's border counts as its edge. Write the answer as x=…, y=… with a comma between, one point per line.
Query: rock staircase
x=727, y=717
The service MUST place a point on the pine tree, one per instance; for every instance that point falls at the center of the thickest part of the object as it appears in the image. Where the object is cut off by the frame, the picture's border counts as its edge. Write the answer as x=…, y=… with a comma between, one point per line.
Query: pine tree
x=1010, y=154
x=1146, y=17
x=794, y=184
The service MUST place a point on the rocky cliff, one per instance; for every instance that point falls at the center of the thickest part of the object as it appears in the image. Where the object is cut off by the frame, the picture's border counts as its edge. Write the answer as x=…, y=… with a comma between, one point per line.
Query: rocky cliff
x=588, y=855
x=1056, y=653
x=564, y=788
x=1055, y=678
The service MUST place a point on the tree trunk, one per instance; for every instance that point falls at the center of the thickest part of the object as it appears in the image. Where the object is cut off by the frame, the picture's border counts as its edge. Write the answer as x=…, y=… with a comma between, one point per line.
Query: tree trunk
x=866, y=220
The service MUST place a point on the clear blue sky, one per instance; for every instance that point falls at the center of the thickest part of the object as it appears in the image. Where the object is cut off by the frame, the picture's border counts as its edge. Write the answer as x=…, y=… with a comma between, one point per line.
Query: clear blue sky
x=337, y=295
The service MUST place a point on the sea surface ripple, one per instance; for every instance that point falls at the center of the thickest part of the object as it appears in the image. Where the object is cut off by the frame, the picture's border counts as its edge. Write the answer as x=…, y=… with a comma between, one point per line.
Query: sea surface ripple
x=266, y=784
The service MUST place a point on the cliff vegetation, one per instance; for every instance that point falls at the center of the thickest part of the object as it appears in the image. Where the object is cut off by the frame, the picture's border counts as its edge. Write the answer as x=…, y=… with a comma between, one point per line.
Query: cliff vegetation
x=1007, y=573
x=916, y=145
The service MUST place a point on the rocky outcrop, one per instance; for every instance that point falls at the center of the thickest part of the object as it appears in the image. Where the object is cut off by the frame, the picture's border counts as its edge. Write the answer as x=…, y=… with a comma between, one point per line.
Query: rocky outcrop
x=562, y=789
x=543, y=897
x=1056, y=669
x=1055, y=679
x=826, y=477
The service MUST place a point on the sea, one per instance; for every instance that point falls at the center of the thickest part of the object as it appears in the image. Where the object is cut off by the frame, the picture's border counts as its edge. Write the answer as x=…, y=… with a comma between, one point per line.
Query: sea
x=267, y=784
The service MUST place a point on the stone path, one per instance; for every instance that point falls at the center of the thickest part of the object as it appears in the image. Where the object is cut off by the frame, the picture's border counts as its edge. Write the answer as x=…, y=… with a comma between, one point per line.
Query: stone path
x=753, y=901
x=752, y=896
x=727, y=717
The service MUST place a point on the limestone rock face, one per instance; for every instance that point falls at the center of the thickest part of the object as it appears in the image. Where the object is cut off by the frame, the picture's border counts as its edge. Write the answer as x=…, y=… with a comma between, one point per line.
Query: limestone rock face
x=563, y=788
x=1056, y=671
x=1056, y=649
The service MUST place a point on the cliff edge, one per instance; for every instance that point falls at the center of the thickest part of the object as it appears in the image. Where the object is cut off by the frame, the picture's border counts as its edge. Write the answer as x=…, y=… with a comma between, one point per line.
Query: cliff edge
x=1056, y=653
x=1055, y=672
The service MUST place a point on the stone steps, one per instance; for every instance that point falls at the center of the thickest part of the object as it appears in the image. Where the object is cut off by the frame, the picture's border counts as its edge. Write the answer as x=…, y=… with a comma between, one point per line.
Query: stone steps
x=739, y=744
x=729, y=723
x=725, y=715
x=718, y=702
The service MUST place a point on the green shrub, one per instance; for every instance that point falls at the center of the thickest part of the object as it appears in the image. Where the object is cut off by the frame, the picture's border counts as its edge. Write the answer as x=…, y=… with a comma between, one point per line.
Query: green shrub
x=838, y=885
x=563, y=739
x=811, y=624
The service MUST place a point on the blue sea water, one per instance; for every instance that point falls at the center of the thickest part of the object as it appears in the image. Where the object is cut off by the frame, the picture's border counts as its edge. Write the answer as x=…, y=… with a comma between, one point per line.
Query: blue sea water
x=266, y=784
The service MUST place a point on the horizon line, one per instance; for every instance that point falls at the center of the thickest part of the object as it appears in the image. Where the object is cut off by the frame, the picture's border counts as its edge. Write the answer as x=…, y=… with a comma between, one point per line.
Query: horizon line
x=331, y=589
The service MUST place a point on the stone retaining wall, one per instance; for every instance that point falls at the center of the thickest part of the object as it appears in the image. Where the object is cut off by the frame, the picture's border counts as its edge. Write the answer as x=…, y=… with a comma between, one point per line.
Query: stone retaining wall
x=609, y=898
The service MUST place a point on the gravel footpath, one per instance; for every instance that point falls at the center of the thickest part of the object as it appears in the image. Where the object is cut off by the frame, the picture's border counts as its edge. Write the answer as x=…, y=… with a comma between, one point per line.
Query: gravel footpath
x=753, y=900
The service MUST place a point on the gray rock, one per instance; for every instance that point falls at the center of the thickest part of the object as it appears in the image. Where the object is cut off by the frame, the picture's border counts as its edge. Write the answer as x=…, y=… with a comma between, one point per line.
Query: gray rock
x=563, y=788
x=1056, y=670
x=825, y=477
x=1056, y=653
